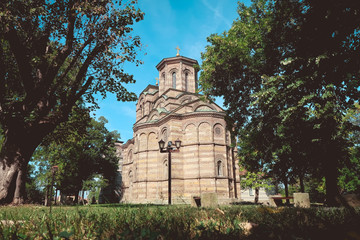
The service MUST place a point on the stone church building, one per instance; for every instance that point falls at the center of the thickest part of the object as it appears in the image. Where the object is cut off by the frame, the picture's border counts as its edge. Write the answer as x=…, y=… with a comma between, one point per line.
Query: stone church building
x=170, y=111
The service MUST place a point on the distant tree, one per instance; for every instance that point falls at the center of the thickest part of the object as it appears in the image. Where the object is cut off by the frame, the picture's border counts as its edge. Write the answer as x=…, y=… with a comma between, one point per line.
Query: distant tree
x=255, y=180
x=52, y=54
x=79, y=156
x=289, y=70
x=94, y=187
x=349, y=181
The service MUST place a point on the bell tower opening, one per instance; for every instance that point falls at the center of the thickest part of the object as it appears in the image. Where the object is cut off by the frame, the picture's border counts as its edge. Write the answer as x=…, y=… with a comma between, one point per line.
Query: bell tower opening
x=177, y=73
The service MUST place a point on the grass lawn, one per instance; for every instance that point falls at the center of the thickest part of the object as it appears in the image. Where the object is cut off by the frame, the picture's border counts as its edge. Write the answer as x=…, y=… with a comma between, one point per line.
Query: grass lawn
x=122, y=221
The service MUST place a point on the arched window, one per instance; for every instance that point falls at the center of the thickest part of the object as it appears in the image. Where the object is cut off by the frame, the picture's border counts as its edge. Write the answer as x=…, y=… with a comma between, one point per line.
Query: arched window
x=163, y=79
x=174, y=80
x=219, y=169
x=130, y=156
x=186, y=82
x=143, y=109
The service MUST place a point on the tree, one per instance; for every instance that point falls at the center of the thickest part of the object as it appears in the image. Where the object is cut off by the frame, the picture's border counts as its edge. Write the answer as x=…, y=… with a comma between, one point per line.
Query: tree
x=255, y=180
x=79, y=157
x=52, y=54
x=289, y=71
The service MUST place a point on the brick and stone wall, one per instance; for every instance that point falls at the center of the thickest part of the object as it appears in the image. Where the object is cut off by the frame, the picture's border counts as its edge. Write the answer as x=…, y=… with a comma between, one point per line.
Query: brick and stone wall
x=205, y=161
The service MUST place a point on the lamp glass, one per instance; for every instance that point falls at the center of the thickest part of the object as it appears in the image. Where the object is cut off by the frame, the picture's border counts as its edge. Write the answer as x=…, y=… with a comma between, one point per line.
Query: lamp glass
x=161, y=144
x=178, y=143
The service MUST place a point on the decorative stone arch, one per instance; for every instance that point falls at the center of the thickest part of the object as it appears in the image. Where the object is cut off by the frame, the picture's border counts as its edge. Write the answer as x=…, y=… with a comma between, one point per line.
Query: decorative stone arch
x=142, y=142
x=185, y=99
x=173, y=73
x=141, y=100
x=159, y=104
x=141, y=107
x=219, y=133
x=164, y=135
x=163, y=79
x=129, y=157
x=205, y=132
x=219, y=166
x=152, y=141
x=186, y=76
x=154, y=115
x=191, y=133
x=204, y=108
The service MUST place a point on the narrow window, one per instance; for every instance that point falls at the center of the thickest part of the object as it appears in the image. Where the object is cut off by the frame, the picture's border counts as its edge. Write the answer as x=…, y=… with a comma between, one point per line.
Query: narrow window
x=174, y=80
x=219, y=168
x=186, y=82
x=143, y=109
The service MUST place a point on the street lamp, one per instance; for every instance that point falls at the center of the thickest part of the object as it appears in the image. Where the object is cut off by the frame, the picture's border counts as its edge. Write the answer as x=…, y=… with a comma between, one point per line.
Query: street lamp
x=169, y=149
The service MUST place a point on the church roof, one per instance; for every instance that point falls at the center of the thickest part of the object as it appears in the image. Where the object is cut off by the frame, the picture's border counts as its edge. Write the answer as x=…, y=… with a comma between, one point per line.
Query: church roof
x=189, y=61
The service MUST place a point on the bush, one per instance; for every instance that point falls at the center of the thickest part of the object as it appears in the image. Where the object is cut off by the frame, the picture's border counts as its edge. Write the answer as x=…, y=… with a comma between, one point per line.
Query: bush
x=176, y=222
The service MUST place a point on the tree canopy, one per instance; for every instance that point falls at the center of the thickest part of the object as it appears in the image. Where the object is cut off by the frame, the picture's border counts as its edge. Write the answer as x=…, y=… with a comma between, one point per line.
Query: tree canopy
x=79, y=155
x=289, y=72
x=53, y=54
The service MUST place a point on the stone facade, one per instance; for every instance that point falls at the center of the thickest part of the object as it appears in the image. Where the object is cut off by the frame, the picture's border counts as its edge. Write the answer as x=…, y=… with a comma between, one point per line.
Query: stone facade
x=173, y=110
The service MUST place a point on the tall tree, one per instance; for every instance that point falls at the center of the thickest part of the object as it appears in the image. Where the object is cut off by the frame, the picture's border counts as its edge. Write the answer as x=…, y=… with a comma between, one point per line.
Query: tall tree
x=79, y=155
x=289, y=70
x=52, y=54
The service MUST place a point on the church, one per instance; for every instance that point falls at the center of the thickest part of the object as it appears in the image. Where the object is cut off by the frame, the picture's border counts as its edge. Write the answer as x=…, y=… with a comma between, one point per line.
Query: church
x=204, y=160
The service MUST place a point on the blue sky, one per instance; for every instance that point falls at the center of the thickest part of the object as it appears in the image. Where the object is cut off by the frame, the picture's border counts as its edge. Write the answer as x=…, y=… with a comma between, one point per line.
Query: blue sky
x=166, y=25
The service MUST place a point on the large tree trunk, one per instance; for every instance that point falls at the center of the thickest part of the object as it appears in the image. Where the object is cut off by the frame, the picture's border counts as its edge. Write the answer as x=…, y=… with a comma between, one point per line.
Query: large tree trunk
x=332, y=191
x=302, y=186
x=19, y=195
x=8, y=173
x=13, y=162
x=47, y=196
x=286, y=191
x=16, y=151
x=332, y=154
x=77, y=197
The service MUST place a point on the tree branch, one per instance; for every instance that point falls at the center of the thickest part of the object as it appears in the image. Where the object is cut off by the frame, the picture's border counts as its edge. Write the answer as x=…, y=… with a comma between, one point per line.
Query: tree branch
x=66, y=50
x=23, y=62
x=83, y=70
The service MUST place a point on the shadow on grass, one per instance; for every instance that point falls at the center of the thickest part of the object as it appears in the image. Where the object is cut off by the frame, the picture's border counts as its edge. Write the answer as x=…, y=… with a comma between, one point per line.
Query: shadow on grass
x=127, y=205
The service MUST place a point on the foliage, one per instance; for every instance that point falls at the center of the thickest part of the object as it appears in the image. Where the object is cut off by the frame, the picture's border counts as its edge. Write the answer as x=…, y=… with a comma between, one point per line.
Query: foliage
x=256, y=180
x=94, y=187
x=349, y=181
x=176, y=222
x=52, y=55
x=288, y=71
x=80, y=154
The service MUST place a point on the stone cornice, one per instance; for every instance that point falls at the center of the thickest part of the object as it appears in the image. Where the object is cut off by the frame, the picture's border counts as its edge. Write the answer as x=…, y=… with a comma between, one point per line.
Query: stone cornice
x=185, y=60
x=139, y=126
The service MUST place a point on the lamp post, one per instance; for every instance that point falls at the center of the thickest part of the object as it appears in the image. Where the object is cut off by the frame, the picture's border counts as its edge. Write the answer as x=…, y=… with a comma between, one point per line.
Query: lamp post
x=169, y=149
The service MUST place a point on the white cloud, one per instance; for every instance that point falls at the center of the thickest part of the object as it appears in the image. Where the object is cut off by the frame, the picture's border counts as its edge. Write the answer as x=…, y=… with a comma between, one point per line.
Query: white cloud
x=217, y=12
x=128, y=111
